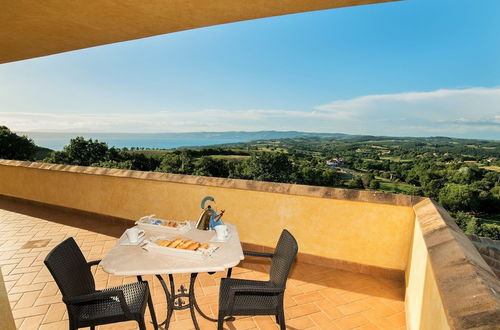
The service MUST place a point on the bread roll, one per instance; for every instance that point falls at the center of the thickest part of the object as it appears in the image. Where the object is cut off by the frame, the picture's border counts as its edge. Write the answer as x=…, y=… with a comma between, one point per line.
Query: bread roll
x=204, y=246
x=193, y=246
x=175, y=243
x=184, y=244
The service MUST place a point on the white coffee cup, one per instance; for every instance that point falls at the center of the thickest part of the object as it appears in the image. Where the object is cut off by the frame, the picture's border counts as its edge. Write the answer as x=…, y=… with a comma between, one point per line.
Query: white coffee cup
x=222, y=232
x=134, y=234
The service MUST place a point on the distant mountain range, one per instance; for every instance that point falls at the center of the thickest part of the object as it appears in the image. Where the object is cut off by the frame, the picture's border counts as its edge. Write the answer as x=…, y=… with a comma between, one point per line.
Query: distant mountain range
x=243, y=135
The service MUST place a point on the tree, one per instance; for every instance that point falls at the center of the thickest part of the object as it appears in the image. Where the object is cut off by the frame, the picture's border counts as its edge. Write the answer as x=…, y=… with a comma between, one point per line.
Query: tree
x=367, y=179
x=13, y=146
x=467, y=174
x=126, y=165
x=176, y=162
x=270, y=166
x=356, y=183
x=84, y=152
x=209, y=166
x=309, y=175
x=375, y=184
x=457, y=197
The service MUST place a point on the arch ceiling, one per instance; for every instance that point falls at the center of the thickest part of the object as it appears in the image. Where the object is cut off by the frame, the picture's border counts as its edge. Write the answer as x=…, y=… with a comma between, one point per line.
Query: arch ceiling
x=33, y=28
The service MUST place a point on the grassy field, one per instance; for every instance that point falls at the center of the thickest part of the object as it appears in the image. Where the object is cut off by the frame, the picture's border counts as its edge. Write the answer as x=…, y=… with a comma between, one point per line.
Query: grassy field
x=492, y=168
x=489, y=168
x=396, y=159
x=401, y=187
x=493, y=218
x=230, y=157
x=151, y=153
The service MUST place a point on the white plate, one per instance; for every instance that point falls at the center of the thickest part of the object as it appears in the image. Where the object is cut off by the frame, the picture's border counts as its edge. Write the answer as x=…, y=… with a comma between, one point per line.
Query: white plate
x=216, y=240
x=199, y=254
x=125, y=241
x=183, y=227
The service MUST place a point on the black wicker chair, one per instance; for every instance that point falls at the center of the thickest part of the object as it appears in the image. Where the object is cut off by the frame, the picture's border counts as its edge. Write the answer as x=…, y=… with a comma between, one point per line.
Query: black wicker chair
x=248, y=297
x=88, y=307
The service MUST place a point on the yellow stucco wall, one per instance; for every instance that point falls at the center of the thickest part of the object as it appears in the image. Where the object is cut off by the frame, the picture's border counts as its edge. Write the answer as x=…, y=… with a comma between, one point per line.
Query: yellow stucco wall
x=368, y=233
x=423, y=304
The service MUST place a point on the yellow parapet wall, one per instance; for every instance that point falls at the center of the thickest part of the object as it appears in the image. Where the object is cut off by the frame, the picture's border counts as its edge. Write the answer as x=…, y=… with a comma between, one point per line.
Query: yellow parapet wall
x=376, y=233
x=448, y=284
x=424, y=307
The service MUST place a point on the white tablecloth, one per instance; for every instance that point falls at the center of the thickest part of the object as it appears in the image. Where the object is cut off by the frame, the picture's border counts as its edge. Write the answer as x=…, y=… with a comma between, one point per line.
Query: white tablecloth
x=133, y=260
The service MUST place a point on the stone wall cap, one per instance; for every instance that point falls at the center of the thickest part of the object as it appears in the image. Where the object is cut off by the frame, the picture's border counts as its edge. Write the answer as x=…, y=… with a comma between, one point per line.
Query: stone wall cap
x=365, y=196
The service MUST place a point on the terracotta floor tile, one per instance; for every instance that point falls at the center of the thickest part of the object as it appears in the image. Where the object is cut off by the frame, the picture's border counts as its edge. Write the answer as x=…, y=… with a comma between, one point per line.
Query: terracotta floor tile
x=369, y=326
x=398, y=319
x=26, y=288
x=303, y=322
x=351, y=321
x=322, y=321
x=307, y=298
x=331, y=311
x=30, y=311
x=378, y=311
x=55, y=313
x=354, y=307
x=301, y=310
x=15, y=296
x=242, y=323
x=265, y=321
x=32, y=322
x=48, y=300
x=27, y=300
x=49, y=289
x=61, y=325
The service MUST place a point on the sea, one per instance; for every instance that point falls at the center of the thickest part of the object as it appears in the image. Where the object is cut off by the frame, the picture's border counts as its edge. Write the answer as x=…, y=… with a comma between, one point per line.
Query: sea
x=57, y=141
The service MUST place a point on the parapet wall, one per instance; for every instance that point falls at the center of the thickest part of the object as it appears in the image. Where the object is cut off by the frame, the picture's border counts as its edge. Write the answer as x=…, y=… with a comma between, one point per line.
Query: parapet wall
x=360, y=227
x=448, y=283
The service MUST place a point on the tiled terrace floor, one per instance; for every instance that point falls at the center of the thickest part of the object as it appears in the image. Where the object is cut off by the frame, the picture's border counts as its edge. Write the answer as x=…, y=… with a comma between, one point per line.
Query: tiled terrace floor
x=316, y=297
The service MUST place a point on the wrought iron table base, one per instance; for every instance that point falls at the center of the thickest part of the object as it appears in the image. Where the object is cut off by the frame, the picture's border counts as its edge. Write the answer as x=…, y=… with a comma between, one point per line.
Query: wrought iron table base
x=175, y=301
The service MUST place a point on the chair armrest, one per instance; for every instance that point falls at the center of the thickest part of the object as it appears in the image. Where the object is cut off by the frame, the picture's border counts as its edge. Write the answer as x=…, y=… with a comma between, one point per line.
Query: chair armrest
x=100, y=295
x=258, y=254
x=255, y=289
x=93, y=263
x=250, y=289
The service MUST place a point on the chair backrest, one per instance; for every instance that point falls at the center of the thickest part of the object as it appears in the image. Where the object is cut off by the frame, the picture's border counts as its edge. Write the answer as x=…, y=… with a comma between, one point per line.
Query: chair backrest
x=283, y=258
x=69, y=268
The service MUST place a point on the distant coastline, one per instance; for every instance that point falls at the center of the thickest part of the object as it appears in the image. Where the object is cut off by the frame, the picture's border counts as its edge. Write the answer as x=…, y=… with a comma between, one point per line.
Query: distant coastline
x=57, y=140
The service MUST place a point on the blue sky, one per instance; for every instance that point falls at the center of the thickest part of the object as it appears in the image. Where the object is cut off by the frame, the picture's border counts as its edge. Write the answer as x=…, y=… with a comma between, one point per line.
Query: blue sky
x=416, y=67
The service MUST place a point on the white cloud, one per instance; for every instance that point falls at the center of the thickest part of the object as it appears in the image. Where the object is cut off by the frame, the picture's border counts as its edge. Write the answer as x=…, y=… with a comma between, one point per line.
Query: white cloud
x=465, y=112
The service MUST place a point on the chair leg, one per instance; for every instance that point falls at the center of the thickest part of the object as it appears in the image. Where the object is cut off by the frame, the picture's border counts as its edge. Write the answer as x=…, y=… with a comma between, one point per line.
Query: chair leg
x=277, y=319
x=72, y=325
x=229, y=271
x=92, y=327
x=152, y=311
x=142, y=325
x=220, y=322
x=281, y=320
x=281, y=313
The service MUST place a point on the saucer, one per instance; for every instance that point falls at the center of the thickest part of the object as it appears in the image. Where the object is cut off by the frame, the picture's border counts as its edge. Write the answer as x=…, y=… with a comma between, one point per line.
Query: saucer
x=125, y=241
x=215, y=239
